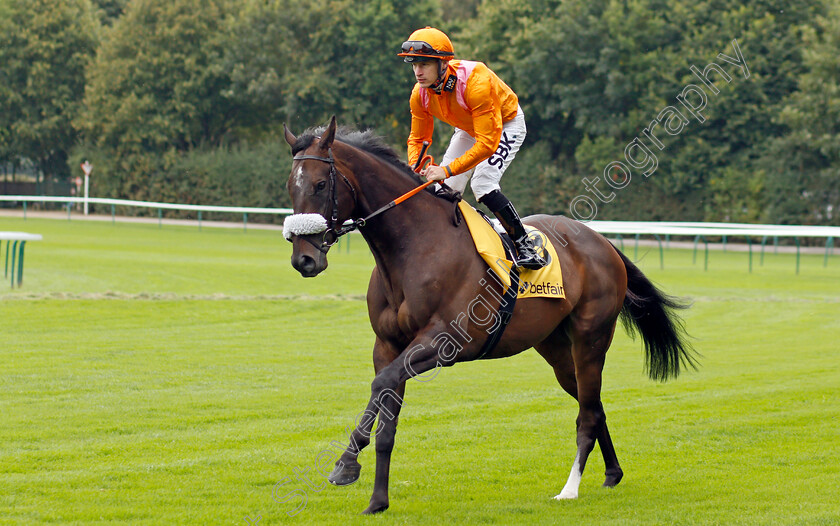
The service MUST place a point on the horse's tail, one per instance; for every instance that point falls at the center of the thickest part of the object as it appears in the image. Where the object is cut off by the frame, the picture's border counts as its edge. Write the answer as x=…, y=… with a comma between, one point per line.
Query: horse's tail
x=651, y=312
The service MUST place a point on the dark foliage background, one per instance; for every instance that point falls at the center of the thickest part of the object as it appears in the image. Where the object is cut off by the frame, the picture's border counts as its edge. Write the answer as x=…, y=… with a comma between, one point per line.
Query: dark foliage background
x=184, y=100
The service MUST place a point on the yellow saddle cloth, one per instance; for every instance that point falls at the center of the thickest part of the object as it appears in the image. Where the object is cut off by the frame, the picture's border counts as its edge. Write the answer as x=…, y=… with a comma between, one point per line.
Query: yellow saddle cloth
x=546, y=282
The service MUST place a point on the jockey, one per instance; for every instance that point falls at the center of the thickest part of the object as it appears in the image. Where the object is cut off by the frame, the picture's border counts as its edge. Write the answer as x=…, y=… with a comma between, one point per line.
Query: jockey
x=489, y=128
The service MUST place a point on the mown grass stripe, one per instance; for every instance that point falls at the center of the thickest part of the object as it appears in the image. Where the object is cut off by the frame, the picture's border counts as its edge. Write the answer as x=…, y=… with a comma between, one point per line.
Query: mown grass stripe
x=131, y=394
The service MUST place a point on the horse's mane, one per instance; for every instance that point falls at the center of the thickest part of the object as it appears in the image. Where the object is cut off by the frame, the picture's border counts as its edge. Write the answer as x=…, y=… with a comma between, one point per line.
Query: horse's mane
x=365, y=140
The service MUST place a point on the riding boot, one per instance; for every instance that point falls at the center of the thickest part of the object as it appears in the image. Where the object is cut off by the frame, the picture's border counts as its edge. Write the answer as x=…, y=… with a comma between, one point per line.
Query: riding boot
x=527, y=255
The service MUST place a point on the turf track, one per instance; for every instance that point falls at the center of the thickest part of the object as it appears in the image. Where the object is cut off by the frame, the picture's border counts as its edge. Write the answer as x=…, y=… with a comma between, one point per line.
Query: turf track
x=171, y=376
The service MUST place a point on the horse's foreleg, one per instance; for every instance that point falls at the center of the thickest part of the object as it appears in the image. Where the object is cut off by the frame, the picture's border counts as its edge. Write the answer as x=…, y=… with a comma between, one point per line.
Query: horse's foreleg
x=385, y=437
x=386, y=405
x=417, y=360
x=385, y=402
x=347, y=468
x=384, y=355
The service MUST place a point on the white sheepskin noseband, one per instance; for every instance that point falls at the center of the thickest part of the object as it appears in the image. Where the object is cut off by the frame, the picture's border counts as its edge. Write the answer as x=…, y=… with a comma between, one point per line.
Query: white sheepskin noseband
x=303, y=225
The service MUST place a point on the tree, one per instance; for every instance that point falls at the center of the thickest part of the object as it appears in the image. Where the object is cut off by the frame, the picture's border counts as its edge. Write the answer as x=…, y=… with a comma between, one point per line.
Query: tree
x=592, y=75
x=723, y=166
x=157, y=88
x=9, y=97
x=300, y=63
x=804, y=164
x=110, y=10
x=157, y=82
x=45, y=46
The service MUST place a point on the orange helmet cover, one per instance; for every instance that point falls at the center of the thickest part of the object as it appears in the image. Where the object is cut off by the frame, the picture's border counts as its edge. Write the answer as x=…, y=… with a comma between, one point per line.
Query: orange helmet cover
x=427, y=43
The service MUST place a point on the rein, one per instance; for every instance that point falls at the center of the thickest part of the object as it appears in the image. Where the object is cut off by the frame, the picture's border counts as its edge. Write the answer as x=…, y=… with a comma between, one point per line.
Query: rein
x=334, y=233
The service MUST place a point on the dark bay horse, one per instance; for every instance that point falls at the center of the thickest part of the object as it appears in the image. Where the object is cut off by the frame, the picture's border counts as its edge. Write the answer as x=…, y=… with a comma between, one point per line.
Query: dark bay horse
x=431, y=303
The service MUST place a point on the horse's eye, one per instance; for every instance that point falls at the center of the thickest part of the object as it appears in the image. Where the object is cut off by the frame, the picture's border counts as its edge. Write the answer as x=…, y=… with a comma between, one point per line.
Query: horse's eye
x=320, y=186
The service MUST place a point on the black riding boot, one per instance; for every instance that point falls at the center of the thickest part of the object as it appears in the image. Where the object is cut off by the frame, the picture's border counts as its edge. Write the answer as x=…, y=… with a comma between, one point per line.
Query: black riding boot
x=526, y=255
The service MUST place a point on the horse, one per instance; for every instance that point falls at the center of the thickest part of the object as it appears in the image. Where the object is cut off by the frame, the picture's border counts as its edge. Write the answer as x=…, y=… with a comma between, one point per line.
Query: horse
x=428, y=274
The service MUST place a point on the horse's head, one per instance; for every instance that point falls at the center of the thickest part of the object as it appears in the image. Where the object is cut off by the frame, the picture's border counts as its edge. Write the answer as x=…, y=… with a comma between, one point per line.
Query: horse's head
x=322, y=199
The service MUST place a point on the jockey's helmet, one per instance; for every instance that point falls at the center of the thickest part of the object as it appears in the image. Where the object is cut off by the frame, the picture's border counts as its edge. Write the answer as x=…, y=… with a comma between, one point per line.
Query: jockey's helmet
x=427, y=44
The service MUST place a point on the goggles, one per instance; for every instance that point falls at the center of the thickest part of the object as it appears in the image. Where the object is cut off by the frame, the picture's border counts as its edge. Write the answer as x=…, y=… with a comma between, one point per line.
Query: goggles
x=418, y=47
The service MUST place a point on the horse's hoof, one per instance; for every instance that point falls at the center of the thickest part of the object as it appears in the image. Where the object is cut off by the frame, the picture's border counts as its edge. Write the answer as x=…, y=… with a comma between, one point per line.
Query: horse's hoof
x=613, y=479
x=345, y=473
x=566, y=495
x=375, y=508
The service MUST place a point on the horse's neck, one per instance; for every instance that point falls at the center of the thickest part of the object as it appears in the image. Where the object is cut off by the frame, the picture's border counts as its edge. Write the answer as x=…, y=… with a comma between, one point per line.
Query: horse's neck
x=404, y=236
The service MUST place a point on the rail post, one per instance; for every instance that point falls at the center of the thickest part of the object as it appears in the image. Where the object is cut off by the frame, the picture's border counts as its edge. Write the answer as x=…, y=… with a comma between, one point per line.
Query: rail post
x=749, y=243
x=661, y=255
x=636, y=249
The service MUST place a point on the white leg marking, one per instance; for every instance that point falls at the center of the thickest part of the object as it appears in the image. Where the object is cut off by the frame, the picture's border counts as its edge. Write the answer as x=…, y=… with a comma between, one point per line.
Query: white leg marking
x=570, y=490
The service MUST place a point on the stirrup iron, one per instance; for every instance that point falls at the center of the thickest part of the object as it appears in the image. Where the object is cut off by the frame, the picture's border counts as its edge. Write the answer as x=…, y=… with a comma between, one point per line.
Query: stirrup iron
x=527, y=256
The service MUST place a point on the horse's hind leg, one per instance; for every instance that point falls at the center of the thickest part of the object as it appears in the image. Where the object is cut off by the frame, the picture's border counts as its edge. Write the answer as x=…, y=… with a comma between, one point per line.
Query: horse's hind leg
x=578, y=369
x=613, y=470
x=565, y=374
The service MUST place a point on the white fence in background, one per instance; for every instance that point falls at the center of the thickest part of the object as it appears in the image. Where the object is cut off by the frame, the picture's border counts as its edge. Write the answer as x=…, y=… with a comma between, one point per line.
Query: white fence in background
x=143, y=204
x=726, y=231
x=698, y=231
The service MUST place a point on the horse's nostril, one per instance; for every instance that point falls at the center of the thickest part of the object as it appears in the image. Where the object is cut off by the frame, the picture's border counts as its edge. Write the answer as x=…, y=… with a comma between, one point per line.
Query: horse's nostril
x=306, y=265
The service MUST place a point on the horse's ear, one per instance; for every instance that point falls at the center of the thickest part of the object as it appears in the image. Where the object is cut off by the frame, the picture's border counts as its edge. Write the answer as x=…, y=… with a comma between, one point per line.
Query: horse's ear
x=290, y=137
x=329, y=135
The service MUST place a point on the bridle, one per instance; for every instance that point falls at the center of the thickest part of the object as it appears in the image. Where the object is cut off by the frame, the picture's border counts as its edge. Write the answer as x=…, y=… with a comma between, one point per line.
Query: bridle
x=333, y=231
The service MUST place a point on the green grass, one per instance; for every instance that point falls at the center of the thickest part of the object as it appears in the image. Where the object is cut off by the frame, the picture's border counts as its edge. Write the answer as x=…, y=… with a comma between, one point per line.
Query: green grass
x=171, y=376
